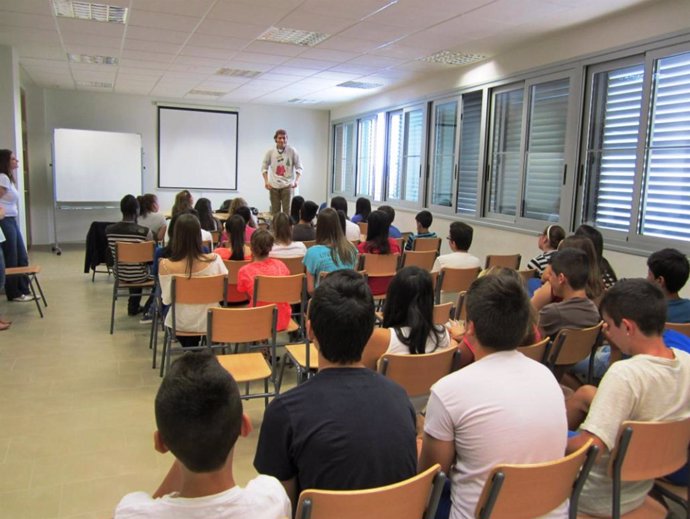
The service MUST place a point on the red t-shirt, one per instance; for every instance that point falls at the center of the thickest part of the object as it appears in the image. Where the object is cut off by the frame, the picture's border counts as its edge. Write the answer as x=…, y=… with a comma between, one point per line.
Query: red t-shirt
x=267, y=267
x=379, y=286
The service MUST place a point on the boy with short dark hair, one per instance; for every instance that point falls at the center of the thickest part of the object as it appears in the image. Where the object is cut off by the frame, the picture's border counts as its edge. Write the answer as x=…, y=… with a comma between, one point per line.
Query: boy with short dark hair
x=669, y=269
x=459, y=239
x=199, y=418
x=424, y=220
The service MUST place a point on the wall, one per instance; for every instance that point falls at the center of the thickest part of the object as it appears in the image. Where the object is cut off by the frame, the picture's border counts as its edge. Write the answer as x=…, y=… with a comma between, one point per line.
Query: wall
x=51, y=108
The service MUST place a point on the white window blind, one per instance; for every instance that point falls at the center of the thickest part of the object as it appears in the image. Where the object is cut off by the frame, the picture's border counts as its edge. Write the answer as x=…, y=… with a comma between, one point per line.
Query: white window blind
x=470, y=152
x=395, y=155
x=344, y=158
x=370, y=154
x=414, y=146
x=443, y=166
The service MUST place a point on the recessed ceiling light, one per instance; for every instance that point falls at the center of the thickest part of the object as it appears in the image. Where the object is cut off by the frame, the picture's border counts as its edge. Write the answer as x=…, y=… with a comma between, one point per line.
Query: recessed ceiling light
x=236, y=72
x=92, y=60
x=293, y=36
x=359, y=84
x=446, y=57
x=207, y=93
x=94, y=84
x=89, y=11
x=299, y=101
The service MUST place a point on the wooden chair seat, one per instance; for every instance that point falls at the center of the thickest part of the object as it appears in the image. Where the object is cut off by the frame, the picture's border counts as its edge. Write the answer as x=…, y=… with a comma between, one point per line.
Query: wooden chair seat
x=31, y=271
x=22, y=271
x=246, y=367
x=297, y=354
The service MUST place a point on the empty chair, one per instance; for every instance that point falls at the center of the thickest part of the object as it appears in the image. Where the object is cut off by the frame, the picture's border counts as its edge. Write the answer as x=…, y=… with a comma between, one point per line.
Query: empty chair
x=422, y=259
x=31, y=271
x=511, y=261
x=414, y=498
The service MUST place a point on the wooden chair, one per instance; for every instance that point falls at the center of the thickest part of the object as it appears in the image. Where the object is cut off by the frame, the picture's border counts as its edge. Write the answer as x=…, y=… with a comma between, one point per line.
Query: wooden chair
x=425, y=244
x=363, y=228
x=304, y=356
x=283, y=289
x=527, y=274
x=208, y=245
x=129, y=254
x=644, y=451
x=234, y=296
x=526, y=491
x=572, y=345
x=459, y=310
x=414, y=498
x=379, y=266
x=401, y=244
x=683, y=328
x=203, y=291
x=309, y=243
x=443, y=313
x=417, y=373
x=511, y=261
x=422, y=259
x=215, y=237
x=376, y=346
x=538, y=351
x=294, y=264
x=31, y=272
x=247, y=325
x=452, y=280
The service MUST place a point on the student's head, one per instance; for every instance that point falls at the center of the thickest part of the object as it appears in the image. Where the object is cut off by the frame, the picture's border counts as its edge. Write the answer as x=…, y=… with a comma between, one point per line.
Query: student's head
x=341, y=316
x=571, y=264
x=635, y=300
x=236, y=203
x=129, y=207
x=328, y=229
x=295, y=207
x=282, y=229
x=339, y=204
x=235, y=225
x=342, y=219
x=377, y=232
x=363, y=208
x=424, y=219
x=669, y=268
x=261, y=244
x=595, y=236
x=308, y=211
x=245, y=213
x=199, y=412
x=148, y=203
x=594, y=284
x=183, y=202
x=186, y=239
x=280, y=137
x=461, y=235
x=9, y=164
x=551, y=237
x=389, y=211
x=203, y=206
x=498, y=309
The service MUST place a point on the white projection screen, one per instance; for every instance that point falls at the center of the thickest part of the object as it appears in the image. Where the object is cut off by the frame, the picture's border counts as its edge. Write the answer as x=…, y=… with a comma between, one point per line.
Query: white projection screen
x=197, y=149
x=95, y=166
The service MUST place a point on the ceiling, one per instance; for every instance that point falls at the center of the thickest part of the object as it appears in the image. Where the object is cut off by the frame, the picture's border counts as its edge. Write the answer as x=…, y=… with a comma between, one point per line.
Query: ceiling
x=171, y=48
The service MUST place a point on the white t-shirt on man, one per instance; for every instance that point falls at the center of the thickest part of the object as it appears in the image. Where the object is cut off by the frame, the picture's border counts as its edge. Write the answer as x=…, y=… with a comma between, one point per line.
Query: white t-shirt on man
x=456, y=260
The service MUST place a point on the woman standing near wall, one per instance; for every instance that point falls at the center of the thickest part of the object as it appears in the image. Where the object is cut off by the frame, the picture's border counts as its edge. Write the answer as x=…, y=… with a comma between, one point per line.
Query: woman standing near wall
x=16, y=287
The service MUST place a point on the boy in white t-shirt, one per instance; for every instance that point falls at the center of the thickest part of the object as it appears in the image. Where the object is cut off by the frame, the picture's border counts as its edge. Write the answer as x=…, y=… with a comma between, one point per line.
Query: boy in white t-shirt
x=199, y=418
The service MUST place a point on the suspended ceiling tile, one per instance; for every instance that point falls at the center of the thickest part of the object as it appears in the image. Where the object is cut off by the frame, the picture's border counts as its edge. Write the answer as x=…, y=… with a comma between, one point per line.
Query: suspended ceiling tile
x=149, y=34
x=179, y=7
x=152, y=46
x=31, y=21
x=218, y=42
x=229, y=28
x=313, y=64
x=309, y=21
x=148, y=56
x=256, y=57
x=70, y=26
x=162, y=20
x=278, y=49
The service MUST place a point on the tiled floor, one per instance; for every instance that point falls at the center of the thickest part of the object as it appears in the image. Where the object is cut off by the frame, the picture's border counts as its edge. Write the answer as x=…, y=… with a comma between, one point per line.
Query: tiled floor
x=76, y=403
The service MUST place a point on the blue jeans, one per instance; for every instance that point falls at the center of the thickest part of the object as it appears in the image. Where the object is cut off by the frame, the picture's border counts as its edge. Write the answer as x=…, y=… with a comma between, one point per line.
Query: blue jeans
x=15, y=256
x=2, y=268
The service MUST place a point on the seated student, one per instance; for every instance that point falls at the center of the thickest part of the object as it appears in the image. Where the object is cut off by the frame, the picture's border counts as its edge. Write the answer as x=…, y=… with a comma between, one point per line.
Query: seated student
x=352, y=232
x=460, y=240
x=548, y=243
x=262, y=242
x=608, y=276
x=393, y=231
x=199, y=418
x=652, y=385
x=362, y=210
x=378, y=242
x=503, y=408
x=241, y=202
x=246, y=215
x=295, y=208
x=568, y=277
x=235, y=247
x=150, y=217
x=184, y=201
x=304, y=230
x=205, y=212
x=348, y=427
x=408, y=314
x=669, y=269
x=424, y=220
x=284, y=246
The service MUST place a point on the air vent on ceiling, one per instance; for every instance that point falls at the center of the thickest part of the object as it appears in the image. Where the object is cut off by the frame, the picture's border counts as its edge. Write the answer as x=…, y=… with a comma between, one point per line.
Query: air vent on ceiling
x=94, y=84
x=359, y=84
x=446, y=57
x=293, y=36
x=236, y=72
x=89, y=11
x=207, y=93
x=92, y=60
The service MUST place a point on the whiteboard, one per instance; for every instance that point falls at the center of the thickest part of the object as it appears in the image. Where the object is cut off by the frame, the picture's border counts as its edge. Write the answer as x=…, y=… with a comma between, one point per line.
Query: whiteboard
x=95, y=166
x=197, y=149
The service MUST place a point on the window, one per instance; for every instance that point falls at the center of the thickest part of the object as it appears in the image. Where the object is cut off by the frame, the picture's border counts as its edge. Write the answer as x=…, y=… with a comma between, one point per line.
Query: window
x=470, y=153
x=344, y=158
x=445, y=125
x=370, y=155
x=406, y=139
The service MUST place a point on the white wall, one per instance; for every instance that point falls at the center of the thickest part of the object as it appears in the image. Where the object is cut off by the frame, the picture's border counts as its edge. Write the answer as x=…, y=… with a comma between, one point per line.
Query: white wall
x=50, y=109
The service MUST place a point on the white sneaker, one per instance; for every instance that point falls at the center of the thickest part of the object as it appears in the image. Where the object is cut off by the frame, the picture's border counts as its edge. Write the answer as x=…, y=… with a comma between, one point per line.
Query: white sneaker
x=24, y=298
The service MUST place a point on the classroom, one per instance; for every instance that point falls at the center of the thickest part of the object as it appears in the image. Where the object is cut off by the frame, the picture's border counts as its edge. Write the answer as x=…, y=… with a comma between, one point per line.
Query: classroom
x=77, y=403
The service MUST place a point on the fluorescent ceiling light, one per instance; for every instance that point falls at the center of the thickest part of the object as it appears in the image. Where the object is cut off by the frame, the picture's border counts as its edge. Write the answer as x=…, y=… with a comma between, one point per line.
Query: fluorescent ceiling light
x=446, y=57
x=359, y=84
x=207, y=93
x=94, y=84
x=236, y=72
x=92, y=60
x=293, y=36
x=89, y=11
x=298, y=101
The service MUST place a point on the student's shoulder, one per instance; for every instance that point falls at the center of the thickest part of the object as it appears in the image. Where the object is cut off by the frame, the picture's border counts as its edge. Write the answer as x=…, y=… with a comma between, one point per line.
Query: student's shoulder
x=137, y=505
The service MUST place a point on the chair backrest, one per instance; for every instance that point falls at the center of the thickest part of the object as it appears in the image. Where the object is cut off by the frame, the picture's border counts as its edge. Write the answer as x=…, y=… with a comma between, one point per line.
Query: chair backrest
x=141, y=252
x=422, y=244
x=442, y=313
x=375, y=348
x=511, y=261
x=215, y=236
x=527, y=274
x=527, y=491
x=417, y=373
x=400, y=243
x=237, y=325
x=422, y=259
x=309, y=243
x=459, y=310
x=378, y=265
x=455, y=280
x=572, y=345
x=363, y=227
x=280, y=289
x=233, y=295
x=294, y=264
x=683, y=328
x=201, y=290
x=537, y=351
x=414, y=498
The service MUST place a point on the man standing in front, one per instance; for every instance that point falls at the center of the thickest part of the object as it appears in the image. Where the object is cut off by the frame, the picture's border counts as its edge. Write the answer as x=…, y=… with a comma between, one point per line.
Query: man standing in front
x=281, y=169
x=503, y=408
